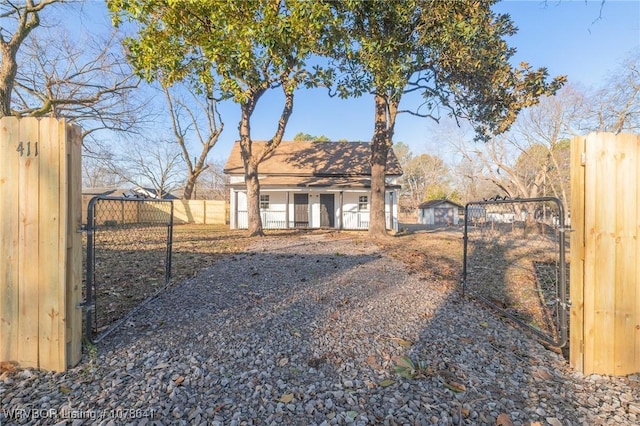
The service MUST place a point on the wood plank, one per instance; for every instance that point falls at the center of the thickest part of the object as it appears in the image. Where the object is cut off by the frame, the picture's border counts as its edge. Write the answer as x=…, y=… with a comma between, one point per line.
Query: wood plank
x=590, y=207
x=51, y=264
x=9, y=308
x=28, y=176
x=73, y=277
x=626, y=174
x=636, y=330
x=604, y=262
x=576, y=255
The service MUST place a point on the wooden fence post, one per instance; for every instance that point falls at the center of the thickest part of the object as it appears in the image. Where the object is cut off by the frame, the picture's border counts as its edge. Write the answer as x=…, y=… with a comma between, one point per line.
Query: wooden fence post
x=40, y=276
x=605, y=253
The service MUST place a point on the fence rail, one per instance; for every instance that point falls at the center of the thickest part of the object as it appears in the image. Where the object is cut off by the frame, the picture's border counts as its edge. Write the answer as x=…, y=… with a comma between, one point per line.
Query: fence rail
x=128, y=258
x=514, y=260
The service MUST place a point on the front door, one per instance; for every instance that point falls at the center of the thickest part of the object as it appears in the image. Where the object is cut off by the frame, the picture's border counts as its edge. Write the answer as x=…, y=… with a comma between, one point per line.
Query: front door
x=300, y=210
x=327, y=210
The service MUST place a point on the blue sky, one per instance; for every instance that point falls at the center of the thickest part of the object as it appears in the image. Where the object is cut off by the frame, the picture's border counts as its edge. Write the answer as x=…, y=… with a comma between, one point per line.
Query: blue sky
x=574, y=38
x=584, y=40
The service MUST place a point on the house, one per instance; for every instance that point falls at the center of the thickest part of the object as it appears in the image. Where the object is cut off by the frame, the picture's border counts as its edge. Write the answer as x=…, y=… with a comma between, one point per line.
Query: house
x=438, y=212
x=146, y=192
x=313, y=185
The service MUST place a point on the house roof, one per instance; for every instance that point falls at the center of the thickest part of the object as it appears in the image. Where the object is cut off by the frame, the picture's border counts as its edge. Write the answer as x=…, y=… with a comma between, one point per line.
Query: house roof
x=435, y=203
x=319, y=159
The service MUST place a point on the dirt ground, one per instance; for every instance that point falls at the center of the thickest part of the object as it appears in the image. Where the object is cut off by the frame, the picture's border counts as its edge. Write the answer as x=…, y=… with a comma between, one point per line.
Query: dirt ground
x=129, y=272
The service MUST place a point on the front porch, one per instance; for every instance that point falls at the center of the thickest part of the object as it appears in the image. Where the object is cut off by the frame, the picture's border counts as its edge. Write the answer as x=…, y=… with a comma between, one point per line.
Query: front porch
x=340, y=209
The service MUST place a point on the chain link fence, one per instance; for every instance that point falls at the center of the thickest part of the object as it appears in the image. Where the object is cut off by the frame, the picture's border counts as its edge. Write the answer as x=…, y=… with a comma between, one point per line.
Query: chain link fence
x=514, y=260
x=128, y=258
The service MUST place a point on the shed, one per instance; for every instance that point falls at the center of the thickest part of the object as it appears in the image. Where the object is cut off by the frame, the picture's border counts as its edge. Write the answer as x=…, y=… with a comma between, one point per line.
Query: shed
x=438, y=212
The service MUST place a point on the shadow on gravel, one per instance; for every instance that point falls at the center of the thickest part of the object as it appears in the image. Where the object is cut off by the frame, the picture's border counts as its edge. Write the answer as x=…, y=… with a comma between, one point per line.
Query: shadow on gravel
x=326, y=330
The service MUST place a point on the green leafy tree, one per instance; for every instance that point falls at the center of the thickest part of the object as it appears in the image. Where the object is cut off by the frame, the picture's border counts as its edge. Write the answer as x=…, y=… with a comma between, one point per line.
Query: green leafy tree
x=250, y=47
x=452, y=53
x=307, y=137
x=426, y=177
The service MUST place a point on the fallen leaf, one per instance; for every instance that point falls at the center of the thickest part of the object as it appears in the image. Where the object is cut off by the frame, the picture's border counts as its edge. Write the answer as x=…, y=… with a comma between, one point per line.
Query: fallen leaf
x=386, y=383
x=465, y=412
x=372, y=362
x=484, y=324
x=7, y=366
x=404, y=361
x=178, y=381
x=403, y=342
x=455, y=386
x=286, y=398
x=504, y=420
x=65, y=390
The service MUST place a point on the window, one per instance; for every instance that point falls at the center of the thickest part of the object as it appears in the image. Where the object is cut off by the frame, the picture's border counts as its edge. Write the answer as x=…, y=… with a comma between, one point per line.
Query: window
x=264, y=202
x=363, y=203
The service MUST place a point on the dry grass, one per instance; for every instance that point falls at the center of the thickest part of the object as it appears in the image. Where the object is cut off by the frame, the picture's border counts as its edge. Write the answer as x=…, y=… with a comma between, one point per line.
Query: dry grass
x=130, y=267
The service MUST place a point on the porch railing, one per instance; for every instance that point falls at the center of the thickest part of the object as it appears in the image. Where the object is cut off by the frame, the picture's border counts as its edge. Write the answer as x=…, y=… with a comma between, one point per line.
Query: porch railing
x=277, y=220
x=355, y=220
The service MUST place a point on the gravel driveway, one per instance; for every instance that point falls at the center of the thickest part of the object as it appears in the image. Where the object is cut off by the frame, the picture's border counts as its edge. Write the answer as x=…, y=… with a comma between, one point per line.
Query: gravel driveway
x=307, y=330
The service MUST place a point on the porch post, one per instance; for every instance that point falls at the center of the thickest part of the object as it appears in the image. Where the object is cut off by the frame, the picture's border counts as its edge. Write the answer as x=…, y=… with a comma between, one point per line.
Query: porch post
x=233, y=207
x=341, y=215
x=286, y=212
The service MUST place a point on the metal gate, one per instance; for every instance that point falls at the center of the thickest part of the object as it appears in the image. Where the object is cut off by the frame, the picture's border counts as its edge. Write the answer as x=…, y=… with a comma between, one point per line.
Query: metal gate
x=128, y=258
x=514, y=260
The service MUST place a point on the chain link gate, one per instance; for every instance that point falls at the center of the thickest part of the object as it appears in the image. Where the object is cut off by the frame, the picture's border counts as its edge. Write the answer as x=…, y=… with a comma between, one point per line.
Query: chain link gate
x=514, y=260
x=128, y=258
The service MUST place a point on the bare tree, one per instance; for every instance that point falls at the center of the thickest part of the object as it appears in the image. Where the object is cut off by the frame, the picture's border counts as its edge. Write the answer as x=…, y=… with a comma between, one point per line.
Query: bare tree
x=89, y=83
x=17, y=20
x=149, y=163
x=550, y=125
x=212, y=183
x=470, y=182
x=197, y=118
x=96, y=173
x=617, y=103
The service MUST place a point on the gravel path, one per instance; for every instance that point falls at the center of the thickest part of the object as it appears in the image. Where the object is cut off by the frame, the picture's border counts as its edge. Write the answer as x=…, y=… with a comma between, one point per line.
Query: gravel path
x=307, y=330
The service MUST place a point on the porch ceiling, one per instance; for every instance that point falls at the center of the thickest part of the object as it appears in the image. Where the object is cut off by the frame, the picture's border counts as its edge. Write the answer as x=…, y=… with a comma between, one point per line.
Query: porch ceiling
x=312, y=182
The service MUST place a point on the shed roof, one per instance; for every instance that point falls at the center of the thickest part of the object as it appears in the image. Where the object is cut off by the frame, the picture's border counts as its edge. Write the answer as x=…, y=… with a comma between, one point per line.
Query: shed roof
x=435, y=203
x=304, y=158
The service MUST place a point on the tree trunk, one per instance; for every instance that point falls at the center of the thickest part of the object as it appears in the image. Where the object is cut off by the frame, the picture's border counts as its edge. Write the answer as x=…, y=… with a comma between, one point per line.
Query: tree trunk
x=189, y=187
x=253, y=200
x=379, y=151
x=254, y=220
x=8, y=70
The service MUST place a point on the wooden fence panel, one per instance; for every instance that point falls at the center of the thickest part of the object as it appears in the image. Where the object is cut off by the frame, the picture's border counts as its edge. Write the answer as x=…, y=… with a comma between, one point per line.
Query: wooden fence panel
x=203, y=212
x=37, y=278
x=605, y=267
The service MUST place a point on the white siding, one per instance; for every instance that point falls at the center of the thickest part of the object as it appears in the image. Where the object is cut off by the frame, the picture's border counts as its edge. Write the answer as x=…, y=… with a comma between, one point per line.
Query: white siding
x=275, y=216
